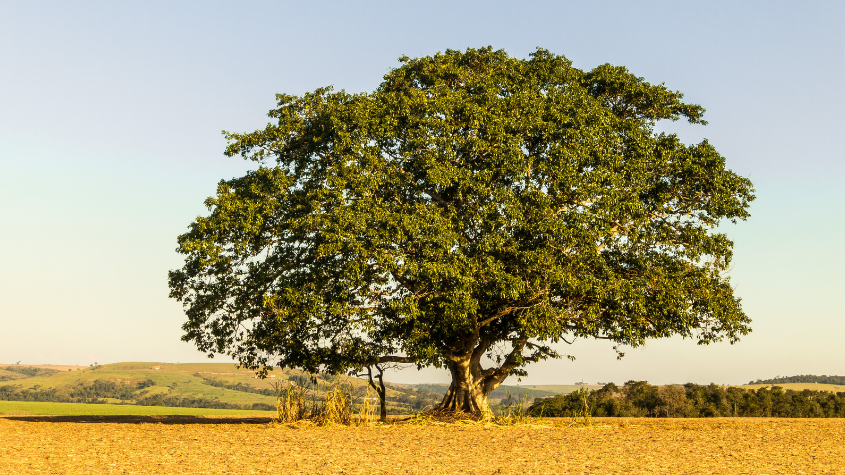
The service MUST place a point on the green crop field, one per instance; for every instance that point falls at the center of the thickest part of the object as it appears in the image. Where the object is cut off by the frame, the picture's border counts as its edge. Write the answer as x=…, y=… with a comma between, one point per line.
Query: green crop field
x=19, y=408
x=174, y=380
x=189, y=381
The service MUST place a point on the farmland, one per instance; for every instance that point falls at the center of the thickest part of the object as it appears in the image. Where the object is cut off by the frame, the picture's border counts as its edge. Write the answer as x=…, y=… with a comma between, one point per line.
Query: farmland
x=207, y=385
x=749, y=445
x=835, y=388
x=16, y=408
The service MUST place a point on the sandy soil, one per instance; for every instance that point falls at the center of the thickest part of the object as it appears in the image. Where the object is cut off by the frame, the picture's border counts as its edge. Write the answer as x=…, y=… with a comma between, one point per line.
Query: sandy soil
x=183, y=444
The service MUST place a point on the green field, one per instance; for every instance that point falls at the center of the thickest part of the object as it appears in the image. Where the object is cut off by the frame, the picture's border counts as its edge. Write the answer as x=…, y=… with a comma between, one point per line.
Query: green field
x=174, y=380
x=19, y=408
x=193, y=380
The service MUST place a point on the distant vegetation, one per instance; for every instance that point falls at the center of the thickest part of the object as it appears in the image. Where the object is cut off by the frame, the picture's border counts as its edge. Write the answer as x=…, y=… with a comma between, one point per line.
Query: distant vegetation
x=224, y=386
x=81, y=392
x=29, y=370
x=102, y=391
x=199, y=402
x=203, y=385
x=216, y=383
x=640, y=399
x=803, y=378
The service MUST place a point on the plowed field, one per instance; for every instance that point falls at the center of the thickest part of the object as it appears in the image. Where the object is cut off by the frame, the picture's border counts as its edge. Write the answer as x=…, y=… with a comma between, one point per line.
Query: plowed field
x=182, y=444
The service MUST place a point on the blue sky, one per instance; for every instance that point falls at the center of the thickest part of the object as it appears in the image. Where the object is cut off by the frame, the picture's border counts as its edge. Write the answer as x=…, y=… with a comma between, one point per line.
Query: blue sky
x=110, y=120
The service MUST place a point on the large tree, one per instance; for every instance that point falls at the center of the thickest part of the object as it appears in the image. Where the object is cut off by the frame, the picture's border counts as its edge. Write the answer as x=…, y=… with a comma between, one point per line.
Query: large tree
x=474, y=210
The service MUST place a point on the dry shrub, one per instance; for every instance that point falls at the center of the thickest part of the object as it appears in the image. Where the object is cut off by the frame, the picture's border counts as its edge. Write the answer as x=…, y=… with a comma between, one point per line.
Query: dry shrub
x=334, y=408
x=438, y=416
x=367, y=410
x=584, y=416
x=513, y=412
x=291, y=404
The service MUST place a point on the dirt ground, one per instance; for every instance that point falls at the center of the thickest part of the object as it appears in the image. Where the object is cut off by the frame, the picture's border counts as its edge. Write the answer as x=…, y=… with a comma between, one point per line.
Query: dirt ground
x=186, y=444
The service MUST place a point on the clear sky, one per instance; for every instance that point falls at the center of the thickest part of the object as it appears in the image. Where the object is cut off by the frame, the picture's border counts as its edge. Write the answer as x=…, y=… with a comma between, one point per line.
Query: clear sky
x=110, y=120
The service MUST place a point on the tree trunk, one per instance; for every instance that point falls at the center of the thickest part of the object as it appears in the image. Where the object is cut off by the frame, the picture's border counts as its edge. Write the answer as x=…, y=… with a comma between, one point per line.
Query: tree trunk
x=469, y=389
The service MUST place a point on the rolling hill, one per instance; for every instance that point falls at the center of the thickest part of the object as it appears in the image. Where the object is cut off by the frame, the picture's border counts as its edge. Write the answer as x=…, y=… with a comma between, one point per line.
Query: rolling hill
x=211, y=385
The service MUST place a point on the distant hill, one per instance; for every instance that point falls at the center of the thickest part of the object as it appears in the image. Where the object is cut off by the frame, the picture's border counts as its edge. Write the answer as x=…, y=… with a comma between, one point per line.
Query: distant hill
x=213, y=385
x=147, y=384
x=804, y=378
x=201, y=385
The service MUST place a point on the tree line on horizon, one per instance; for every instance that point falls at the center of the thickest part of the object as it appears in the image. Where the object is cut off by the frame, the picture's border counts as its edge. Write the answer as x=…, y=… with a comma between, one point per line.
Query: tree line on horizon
x=640, y=399
x=802, y=378
x=27, y=371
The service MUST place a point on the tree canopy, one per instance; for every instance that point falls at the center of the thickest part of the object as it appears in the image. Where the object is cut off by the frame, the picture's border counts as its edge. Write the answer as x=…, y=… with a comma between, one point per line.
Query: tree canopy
x=475, y=209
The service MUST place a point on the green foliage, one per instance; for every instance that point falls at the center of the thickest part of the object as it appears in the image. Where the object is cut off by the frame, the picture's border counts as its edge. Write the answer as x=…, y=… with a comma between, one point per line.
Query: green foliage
x=640, y=399
x=236, y=386
x=100, y=390
x=198, y=402
x=34, y=394
x=803, y=378
x=474, y=204
x=30, y=371
x=81, y=392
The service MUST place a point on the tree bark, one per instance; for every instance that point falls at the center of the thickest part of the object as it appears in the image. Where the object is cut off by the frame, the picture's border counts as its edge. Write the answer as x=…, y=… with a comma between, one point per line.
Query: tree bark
x=470, y=386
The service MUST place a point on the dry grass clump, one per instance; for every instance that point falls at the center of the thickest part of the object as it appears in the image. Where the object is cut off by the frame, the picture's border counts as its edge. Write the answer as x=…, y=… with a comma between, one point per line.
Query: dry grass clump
x=291, y=405
x=513, y=412
x=439, y=417
x=584, y=417
x=334, y=407
x=367, y=411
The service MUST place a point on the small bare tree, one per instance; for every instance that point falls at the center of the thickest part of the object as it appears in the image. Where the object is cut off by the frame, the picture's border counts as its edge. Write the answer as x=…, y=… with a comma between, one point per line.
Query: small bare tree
x=673, y=401
x=379, y=388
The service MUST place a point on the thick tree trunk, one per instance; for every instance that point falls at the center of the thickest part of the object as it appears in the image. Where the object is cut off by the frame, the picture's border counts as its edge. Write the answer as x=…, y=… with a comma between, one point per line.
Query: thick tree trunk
x=469, y=389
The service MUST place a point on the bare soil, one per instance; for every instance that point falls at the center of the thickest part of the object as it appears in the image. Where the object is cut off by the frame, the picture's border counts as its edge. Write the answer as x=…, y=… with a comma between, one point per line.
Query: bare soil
x=183, y=444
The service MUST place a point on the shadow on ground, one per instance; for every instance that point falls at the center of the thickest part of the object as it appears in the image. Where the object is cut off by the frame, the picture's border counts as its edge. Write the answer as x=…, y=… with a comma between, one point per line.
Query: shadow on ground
x=144, y=419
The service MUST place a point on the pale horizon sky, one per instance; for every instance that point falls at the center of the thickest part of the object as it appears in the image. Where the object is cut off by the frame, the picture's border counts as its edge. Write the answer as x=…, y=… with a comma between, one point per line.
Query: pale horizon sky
x=110, y=120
